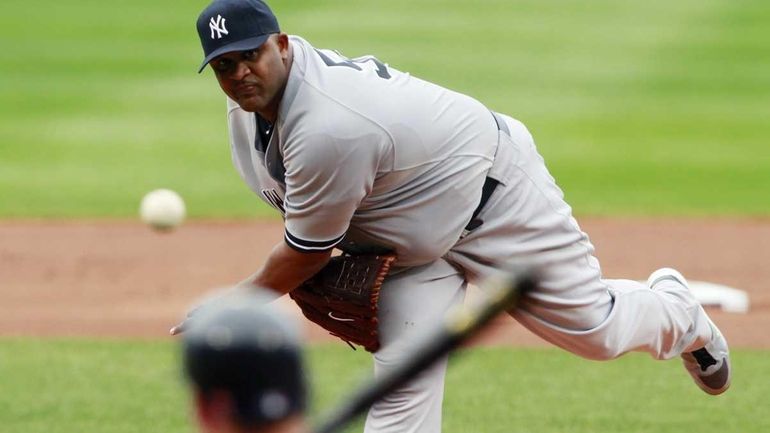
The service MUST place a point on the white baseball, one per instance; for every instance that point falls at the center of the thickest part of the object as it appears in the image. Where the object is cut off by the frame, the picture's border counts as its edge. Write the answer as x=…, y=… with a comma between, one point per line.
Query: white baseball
x=162, y=209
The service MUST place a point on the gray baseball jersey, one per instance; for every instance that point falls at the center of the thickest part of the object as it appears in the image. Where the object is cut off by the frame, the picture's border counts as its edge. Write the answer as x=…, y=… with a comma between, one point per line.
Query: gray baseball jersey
x=368, y=153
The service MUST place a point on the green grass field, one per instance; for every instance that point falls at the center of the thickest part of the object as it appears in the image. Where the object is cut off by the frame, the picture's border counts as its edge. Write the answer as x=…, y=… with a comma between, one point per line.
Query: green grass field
x=640, y=108
x=653, y=107
x=118, y=386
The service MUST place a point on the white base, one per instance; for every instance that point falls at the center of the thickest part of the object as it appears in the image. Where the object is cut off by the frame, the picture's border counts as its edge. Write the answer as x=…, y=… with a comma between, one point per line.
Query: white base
x=729, y=299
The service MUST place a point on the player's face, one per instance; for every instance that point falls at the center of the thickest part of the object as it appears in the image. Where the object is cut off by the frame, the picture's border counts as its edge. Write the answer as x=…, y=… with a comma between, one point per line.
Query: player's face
x=255, y=79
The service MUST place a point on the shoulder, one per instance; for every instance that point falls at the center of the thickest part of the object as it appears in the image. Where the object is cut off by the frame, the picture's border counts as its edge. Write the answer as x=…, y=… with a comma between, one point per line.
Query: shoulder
x=319, y=116
x=331, y=82
x=328, y=104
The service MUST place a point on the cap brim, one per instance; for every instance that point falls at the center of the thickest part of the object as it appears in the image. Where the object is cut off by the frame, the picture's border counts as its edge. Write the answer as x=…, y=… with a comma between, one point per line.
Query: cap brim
x=245, y=44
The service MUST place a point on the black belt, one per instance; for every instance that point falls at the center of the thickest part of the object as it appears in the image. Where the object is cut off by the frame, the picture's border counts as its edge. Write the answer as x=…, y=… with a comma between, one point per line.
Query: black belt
x=489, y=183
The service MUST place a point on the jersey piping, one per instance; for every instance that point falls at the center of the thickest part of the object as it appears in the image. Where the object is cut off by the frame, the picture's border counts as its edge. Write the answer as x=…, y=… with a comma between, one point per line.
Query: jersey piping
x=305, y=246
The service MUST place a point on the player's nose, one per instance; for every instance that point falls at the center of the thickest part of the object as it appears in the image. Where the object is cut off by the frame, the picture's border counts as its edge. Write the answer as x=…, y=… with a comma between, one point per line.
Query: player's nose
x=240, y=71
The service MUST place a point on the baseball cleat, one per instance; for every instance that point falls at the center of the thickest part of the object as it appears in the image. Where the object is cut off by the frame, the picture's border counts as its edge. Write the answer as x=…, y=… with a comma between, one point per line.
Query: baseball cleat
x=709, y=366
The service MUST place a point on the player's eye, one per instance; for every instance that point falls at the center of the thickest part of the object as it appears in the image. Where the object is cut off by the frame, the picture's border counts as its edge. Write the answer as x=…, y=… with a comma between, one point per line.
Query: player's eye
x=222, y=65
x=250, y=54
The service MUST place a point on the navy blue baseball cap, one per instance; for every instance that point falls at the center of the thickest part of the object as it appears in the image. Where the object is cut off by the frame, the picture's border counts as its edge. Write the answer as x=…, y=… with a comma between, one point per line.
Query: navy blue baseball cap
x=234, y=25
x=241, y=345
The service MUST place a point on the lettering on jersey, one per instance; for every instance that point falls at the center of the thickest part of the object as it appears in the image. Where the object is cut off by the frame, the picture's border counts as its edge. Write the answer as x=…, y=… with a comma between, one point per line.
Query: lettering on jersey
x=382, y=68
x=218, y=26
x=274, y=199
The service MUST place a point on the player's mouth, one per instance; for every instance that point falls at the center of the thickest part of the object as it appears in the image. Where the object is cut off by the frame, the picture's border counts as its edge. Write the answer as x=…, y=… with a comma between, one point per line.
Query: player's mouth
x=246, y=90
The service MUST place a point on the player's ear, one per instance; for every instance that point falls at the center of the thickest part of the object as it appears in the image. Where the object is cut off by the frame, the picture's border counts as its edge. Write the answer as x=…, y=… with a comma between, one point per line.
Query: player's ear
x=213, y=410
x=282, y=41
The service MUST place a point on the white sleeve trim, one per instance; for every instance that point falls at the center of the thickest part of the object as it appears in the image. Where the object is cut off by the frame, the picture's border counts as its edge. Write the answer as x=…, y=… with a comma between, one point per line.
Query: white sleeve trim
x=303, y=245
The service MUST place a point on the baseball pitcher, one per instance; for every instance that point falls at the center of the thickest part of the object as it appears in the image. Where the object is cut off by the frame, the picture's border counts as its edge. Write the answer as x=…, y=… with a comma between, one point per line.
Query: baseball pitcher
x=424, y=190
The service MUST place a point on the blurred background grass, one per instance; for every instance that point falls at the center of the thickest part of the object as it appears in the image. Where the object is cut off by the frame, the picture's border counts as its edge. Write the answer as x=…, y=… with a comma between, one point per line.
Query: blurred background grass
x=79, y=385
x=654, y=107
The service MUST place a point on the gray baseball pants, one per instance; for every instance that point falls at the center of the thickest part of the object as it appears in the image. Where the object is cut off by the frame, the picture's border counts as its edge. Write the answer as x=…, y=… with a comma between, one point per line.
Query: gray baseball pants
x=526, y=220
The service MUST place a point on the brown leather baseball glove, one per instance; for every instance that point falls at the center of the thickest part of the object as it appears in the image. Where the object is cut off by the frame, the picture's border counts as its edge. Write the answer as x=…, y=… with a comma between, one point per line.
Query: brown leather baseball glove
x=342, y=297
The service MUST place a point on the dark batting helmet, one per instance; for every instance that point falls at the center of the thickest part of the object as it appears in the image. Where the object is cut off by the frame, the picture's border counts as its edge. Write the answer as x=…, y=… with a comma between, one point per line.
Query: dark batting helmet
x=250, y=350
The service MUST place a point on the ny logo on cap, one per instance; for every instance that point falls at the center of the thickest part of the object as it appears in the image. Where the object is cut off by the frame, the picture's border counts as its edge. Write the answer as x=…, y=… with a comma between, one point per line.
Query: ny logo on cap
x=218, y=26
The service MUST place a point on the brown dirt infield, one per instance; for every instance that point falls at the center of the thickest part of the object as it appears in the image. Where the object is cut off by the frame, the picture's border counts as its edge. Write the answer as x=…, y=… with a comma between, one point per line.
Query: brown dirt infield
x=120, y=279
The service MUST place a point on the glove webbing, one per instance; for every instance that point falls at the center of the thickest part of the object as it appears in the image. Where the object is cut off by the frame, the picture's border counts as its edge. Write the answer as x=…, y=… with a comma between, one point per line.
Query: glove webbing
x=343, y=298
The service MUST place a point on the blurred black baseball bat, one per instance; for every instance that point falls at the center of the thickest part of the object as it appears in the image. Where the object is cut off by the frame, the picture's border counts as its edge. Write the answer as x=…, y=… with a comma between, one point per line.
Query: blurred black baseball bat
x=503, y=293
